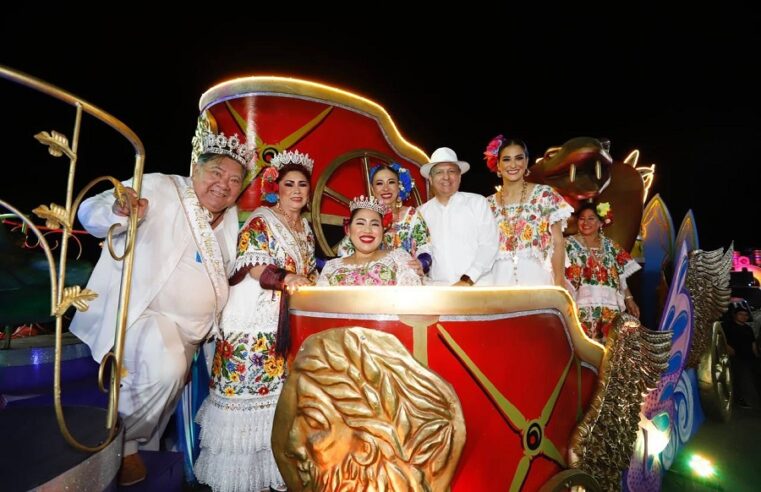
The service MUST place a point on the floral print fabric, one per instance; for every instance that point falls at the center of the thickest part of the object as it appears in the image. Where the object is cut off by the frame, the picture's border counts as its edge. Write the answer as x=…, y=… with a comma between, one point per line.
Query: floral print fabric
x=597, y=277
x=391, y=269
x=528, y=233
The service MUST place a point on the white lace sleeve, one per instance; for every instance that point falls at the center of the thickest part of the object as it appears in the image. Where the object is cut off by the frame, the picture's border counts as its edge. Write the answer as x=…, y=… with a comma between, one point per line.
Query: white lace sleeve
x=559, y=209
x=404, y=274
x=330, y=266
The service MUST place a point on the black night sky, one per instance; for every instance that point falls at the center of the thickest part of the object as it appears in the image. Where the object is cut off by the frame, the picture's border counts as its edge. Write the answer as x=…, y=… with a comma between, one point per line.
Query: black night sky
x=680, y=91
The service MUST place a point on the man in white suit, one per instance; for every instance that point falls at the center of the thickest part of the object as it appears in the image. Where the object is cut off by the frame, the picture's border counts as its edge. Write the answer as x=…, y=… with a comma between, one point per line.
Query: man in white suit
x=184, y=252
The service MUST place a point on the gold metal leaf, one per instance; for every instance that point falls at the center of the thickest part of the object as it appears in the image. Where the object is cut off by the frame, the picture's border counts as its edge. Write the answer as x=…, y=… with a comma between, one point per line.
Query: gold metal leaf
x=635, y=358
x=708, y=283
x=57, y=143
x=75, y=296
x=55, y=216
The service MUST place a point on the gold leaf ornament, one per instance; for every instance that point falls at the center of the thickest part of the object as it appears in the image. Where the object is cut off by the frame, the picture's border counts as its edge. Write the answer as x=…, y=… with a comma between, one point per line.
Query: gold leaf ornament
x=58, y=144
x=55, y=216
x=77, y=297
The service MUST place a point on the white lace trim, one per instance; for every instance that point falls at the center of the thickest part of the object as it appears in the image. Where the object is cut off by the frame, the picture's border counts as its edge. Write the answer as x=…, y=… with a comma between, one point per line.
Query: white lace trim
x=236, y=425
x=250, y=259
x=629, y=268
x=529, y=254
x=561, y=215
x=238, y=473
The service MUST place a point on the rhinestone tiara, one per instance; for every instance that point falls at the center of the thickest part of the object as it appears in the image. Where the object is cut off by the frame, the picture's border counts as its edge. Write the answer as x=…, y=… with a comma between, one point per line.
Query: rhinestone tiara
x=206, y=141
x=292, y=157
x=369, y=202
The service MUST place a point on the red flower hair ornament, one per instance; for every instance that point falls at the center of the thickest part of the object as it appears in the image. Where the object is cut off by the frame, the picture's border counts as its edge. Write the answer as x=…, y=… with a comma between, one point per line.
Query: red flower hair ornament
x=491, y=154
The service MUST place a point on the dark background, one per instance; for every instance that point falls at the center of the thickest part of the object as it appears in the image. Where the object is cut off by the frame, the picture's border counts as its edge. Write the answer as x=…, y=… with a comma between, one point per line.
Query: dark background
x=681, y=88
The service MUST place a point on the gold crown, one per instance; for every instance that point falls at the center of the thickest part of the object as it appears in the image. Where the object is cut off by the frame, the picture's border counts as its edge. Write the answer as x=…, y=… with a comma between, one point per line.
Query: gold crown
x=207, y=141
x=369, y=202
x=292, y=157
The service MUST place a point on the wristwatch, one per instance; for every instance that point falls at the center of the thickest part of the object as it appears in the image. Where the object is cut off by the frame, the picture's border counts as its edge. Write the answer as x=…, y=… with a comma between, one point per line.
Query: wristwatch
x=467, y=280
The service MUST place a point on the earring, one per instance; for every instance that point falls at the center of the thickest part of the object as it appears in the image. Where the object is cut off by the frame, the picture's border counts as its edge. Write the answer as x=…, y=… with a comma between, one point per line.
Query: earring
x=528, y=172
x=499, y=174
x=398, y=202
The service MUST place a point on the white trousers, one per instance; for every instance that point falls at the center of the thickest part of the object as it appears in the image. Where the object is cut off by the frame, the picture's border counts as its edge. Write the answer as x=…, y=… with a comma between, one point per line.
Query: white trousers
x=157, y=358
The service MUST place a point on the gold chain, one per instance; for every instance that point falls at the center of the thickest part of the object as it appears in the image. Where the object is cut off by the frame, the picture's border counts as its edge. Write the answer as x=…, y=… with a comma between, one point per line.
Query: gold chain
x=513, y=221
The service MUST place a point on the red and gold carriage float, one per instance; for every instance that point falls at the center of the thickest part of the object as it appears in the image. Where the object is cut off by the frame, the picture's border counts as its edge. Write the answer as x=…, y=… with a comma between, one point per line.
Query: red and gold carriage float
x=517, y=359
x=541, y=406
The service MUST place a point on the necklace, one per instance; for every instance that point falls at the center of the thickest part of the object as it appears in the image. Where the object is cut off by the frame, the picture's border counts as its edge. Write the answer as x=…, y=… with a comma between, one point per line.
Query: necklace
x=292, y=222
x=300, y=236
x=512, y=220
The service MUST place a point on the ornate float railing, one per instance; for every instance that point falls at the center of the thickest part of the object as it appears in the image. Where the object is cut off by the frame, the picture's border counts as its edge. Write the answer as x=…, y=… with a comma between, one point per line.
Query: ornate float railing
x=62, y=217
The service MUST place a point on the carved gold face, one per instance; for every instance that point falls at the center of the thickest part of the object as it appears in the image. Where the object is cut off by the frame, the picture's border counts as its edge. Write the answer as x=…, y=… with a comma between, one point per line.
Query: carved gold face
x=358, y=409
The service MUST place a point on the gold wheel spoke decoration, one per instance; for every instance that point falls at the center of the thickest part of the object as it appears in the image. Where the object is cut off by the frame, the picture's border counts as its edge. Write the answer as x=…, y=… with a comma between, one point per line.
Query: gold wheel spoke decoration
x=550, y=405
x=534, y=440
x=284, y=144
x=520, y=473
x=294, y=137
x=337, y=196
x=330, y=219
x=503, y=404
x=548, y=449
x=366, y=169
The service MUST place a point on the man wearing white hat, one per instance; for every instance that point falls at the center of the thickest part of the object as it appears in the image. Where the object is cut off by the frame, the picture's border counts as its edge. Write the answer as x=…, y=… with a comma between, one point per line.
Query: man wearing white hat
x=464, y=235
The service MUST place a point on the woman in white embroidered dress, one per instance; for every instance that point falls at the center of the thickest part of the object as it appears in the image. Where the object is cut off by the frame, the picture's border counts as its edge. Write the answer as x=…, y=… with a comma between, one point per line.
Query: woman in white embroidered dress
x=531, y=219
x=392, y=184
x=369, y=264
x=275, y=252
x=597, y=272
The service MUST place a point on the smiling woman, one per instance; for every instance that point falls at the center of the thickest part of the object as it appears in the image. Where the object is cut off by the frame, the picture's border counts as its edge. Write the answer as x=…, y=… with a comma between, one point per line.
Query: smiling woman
x=369, y=265
x=531, y=218
x=275, y=255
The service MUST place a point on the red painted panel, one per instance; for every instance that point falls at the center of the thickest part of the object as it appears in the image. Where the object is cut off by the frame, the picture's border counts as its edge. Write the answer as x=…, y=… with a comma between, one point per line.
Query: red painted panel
x=524, y=357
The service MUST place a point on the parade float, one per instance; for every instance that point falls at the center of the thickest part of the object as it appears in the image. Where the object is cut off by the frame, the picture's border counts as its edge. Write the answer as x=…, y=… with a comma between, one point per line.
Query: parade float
x=449, y=387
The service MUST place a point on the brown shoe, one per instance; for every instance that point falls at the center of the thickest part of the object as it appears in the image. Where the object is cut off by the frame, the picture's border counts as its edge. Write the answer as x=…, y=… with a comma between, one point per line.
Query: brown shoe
x=132, y=471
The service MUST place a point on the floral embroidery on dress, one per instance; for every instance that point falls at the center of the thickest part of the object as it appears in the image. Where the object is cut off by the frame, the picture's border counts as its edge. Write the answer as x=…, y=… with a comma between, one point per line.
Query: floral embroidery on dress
x=409, y=233
x=597, y=277
x=257, y=245
x=391, y=269
x=246, y=364
x=530, y=232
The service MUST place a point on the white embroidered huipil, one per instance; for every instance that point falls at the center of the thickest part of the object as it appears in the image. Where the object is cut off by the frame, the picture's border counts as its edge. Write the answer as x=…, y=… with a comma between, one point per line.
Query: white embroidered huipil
x=247, y=375
x=464, y=238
